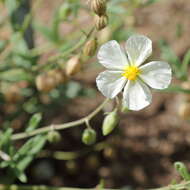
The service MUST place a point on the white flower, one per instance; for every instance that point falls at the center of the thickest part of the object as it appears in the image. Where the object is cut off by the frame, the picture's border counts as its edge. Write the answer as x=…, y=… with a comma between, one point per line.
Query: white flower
x=128, y=73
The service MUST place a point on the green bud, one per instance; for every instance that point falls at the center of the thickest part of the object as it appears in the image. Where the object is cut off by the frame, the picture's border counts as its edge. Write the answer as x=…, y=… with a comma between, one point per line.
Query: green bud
x=110, y=122
x=54, y=137
x=64, y=11
x=89, y=136
x=182, y=169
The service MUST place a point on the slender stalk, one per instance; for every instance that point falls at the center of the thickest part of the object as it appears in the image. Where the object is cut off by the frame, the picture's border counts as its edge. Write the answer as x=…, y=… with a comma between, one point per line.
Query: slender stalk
x=78, y=45
x=41, y=187
x=182, y=186
x=60, y=126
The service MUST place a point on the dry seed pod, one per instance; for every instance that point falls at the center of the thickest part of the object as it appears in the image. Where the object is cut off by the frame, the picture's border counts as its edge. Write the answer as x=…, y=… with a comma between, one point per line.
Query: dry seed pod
x=73, y=66
x=45, y=83
x=101, y=22
x=12, y=94
x=59, y=75
x=184, y=111
x=90, y=47
x=99, y=6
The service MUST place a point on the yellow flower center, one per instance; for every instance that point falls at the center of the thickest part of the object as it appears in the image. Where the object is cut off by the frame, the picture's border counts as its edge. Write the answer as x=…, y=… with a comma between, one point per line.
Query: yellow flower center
x=131, y=72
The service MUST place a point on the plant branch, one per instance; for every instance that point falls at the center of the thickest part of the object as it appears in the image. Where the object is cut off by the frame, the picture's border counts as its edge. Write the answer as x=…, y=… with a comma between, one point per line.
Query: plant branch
x=182, y=186
x=60, y=126
x=41, y=187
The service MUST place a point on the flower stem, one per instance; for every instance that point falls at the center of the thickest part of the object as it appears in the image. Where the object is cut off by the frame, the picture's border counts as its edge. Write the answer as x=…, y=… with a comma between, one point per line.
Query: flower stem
x=41, y=187
x=60, y=126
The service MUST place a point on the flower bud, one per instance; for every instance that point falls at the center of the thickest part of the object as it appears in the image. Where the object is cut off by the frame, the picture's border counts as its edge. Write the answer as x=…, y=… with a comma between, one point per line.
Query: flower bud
x=45, y=83
x=73, y=66
x=101, y=22
x=99, y=6
x=89, y=136
x=64, y=11
x=110, y=122
x=90, y=47
x=54, y=137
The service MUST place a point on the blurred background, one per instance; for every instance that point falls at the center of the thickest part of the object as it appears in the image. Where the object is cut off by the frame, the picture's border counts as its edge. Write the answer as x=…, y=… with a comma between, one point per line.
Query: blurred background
x=38, y=38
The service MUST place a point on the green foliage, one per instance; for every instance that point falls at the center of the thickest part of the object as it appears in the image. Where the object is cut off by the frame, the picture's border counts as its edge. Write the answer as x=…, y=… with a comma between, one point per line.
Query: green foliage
x=34, y=122
x=180, y=68
x=23, y=157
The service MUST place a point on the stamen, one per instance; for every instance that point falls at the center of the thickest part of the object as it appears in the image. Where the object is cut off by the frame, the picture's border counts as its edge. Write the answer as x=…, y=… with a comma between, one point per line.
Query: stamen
x=131, y=72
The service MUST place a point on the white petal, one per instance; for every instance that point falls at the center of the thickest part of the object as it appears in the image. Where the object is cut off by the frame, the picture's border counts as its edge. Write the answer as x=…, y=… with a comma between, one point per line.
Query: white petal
x=111, y=56
x=110, y=83
x=136, y=95
x=138, y=48
x=156, y=74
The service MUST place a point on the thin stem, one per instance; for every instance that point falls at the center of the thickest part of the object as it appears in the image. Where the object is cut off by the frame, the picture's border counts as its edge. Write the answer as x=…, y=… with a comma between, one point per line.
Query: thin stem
x=41, y=187
x=60, y=126
x=181, y=186
x=78, y=45
x=62, y=155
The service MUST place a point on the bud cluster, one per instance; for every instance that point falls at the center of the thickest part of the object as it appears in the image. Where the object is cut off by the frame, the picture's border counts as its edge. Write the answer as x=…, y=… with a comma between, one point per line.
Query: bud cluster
x=99, y=8
x=47, y=81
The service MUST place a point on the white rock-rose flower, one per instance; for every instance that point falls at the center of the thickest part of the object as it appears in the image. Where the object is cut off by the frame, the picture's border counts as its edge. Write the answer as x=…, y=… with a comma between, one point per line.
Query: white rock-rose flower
x=127, y=72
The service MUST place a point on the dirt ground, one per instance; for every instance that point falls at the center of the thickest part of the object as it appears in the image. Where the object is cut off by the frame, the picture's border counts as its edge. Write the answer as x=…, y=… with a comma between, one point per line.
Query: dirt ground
x=147, y=143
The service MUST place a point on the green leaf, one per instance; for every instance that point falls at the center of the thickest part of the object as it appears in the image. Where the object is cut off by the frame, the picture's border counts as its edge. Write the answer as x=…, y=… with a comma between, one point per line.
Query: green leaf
x=11, y=5
x=38, y=144
x=185, y=63
x=26, y=154
x=20, y=174
x=23, y=163
x=176, y=89
x=45, y=31
x=5, y=137
x=168, y=54
x=34, y=122
x=32, y=105
x=4, y=164
x=15, y=75
x=73, y=89
x=149, y=2
x=3, y=44
x=31, y=147
x=20, y=54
